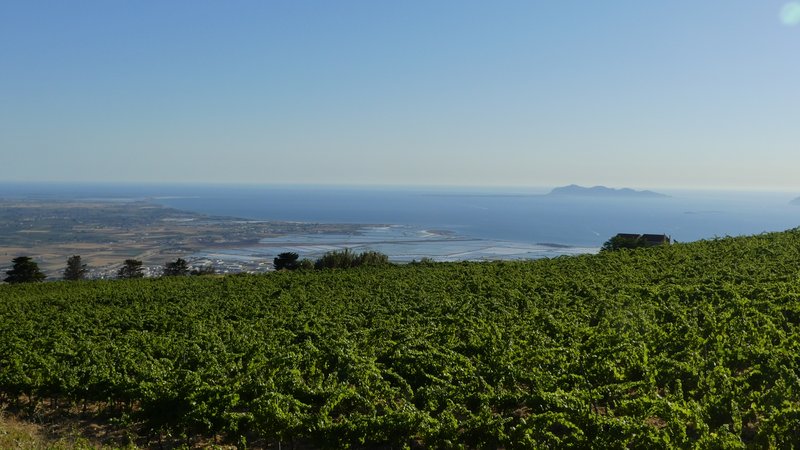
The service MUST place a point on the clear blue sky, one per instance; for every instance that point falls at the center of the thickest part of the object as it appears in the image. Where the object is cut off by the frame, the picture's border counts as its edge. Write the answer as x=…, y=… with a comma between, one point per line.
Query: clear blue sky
x=679, y=93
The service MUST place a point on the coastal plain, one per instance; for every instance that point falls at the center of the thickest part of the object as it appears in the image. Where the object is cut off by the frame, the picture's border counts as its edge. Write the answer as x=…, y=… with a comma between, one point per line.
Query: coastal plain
x=105, y=233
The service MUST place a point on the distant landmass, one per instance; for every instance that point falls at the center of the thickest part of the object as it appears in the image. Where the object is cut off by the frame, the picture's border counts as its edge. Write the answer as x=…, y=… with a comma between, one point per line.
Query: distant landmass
x=574, y=190
x=795, y=201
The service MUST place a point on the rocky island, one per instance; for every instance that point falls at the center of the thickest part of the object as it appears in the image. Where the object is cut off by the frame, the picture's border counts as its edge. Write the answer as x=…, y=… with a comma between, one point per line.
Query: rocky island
x=573, y=190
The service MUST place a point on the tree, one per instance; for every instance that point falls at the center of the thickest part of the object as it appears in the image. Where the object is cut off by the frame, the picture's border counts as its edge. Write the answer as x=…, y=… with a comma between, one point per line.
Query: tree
x=24, y=270
x=75, y=269
x=286, y=260
x=132, y=268
x=177, y=268
x=372, y=258
x=343, y=259
x=619, y=242
x=337, y=259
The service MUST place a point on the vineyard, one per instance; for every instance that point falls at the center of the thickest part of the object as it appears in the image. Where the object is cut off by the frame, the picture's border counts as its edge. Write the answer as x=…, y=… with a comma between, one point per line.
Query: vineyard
x=687, y=346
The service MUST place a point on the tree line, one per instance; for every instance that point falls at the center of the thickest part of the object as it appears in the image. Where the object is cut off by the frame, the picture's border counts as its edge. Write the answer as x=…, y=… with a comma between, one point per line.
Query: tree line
x=336, y=259
x=26, y=270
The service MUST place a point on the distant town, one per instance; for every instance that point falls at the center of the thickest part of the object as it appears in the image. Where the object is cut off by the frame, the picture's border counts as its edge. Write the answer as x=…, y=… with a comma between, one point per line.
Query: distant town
x=218, y=266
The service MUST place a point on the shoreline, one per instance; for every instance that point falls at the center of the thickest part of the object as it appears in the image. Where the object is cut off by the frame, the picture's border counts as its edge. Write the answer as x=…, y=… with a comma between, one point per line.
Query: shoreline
x=105, y=233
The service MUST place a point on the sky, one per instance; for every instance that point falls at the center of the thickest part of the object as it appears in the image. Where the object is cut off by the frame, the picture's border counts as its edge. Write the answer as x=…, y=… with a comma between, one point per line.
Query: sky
x=682, y=94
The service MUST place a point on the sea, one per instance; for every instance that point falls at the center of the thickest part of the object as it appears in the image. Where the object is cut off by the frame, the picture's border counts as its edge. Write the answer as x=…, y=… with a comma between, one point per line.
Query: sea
x=449, y=223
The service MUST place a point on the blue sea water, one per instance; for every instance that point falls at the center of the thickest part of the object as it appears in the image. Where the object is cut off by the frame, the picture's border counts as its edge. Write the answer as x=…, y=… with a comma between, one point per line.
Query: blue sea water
x=455, y=223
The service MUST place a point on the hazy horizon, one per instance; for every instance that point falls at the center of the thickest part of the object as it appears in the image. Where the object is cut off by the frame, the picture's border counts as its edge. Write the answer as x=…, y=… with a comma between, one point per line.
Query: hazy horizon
x=682, y=95
x=423, y=188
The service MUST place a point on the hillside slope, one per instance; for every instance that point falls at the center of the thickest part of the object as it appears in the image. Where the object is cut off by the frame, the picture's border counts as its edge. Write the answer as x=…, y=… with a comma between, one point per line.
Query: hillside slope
x=677, y=346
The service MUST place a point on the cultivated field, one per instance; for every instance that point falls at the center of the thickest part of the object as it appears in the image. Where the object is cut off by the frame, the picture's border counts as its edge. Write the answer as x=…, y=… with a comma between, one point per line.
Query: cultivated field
x=688, y=346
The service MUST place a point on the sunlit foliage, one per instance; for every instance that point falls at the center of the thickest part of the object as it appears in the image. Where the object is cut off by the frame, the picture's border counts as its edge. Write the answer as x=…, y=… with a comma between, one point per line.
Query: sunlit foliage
x=675, y=346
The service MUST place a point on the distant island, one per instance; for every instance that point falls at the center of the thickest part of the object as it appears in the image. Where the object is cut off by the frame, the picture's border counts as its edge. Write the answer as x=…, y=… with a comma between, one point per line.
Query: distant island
x=573, y=190
x=795, y=201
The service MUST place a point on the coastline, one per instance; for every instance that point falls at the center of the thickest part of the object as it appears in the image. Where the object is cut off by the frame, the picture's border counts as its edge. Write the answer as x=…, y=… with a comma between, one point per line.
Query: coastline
x=105, y=233
x=250, y=226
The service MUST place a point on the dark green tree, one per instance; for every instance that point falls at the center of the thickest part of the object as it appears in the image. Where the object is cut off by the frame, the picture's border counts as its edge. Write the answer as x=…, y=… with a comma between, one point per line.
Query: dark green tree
x=306, y=264
x=372, y=258
x=132, y=268
x=621, y=242
x=75, y=270
x=24, y=270
x=286, y=261
x=337, y=259
x=343, y=259
x=177, y=268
